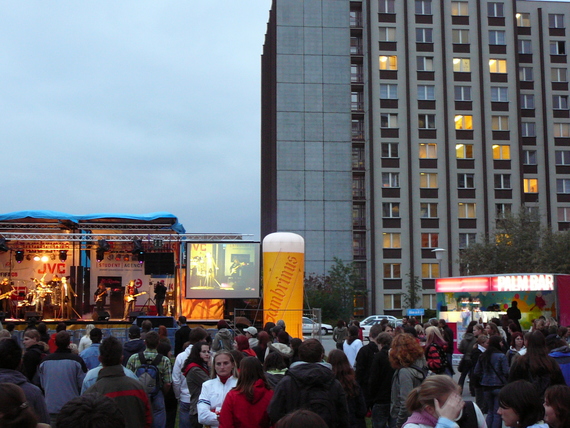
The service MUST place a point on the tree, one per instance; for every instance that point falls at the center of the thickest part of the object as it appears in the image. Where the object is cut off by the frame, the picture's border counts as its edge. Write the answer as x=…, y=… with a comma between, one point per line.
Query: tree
x=413, y=293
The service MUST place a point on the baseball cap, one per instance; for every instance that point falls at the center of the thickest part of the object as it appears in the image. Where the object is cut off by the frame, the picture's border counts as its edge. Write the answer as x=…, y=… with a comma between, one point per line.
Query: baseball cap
x=251, y=330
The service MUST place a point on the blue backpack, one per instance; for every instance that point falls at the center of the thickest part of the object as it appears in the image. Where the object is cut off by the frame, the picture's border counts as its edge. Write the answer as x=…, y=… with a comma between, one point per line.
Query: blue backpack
x=149, y=375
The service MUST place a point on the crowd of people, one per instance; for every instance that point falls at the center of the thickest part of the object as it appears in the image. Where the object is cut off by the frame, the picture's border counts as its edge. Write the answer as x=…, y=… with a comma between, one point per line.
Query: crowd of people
x=403, y=377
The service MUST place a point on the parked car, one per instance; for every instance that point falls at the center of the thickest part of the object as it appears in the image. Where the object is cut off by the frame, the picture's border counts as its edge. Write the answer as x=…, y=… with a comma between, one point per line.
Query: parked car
x=312, y=327
x=368, y=322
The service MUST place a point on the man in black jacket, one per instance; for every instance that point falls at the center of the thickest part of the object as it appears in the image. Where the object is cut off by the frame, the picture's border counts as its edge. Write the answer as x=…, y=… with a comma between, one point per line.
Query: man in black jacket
x=181, y=336
x=364, y=360
x=380, y=382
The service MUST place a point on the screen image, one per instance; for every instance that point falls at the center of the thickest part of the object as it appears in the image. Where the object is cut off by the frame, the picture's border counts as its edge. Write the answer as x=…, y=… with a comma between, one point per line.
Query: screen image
x=222, y=270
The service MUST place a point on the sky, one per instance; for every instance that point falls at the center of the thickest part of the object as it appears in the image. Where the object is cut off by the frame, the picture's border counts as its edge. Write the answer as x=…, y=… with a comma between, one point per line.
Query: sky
x=135, y=107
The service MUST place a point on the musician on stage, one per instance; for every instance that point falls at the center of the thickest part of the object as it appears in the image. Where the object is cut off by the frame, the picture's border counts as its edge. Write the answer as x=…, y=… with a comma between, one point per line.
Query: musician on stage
x=5, y=292
x=67, y=294
x=100, y=297
x=130, y=299
x=159, y=296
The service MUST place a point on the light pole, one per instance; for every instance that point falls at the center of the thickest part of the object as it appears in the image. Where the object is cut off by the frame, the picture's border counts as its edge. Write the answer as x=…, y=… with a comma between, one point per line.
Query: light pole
x=439, y=256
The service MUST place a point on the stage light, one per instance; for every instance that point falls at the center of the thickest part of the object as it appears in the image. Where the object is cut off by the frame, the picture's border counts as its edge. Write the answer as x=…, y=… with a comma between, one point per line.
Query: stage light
x=138, y=250
x=118, y=257
x=37, y=258
x=19, y=256
x=45, y=259
x=62, y=255
x=3, y=246
x=126, y=257
x=102, y=247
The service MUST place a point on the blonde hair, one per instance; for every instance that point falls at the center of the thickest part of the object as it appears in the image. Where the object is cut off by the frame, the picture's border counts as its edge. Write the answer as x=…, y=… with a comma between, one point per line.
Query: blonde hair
x=432, y=387
x=433, y=334
x=232, y=359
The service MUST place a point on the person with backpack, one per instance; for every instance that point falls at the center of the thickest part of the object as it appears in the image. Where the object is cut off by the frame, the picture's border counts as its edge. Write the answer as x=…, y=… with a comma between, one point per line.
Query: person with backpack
x=436, y=351
x=155, y=373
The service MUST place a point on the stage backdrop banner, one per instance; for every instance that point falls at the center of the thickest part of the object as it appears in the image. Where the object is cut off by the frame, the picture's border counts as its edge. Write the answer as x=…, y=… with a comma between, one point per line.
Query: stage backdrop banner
x=283, y=272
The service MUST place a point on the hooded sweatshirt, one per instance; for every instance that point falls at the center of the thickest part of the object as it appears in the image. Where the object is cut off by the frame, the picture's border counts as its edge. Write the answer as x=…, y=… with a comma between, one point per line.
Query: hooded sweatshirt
x=33, y=394
x=132, y=347
x=404, y=380
x=238, y=412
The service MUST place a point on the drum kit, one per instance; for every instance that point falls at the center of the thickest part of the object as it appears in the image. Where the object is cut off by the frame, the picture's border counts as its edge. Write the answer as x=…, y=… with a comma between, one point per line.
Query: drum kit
x=42, y=295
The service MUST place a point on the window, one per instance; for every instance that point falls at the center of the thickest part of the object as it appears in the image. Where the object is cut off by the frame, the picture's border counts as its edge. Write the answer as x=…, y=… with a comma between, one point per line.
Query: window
x=530, y=185
x=424, y=35
x=460, y=36
x=392, y=301
x=497, y=37
x=501, y=152
x=423, y=7
x=426, y=121
x=526, y=74
x=429, y=301
x=428, y=180
x=527, y=101
x=388, y=91
x=387, y=34
x=465, y=239
x=463, y=122
x=430, y=270
x=425, y=63
x=356, y=101
x=386, y=6
x=461, y=64
x=356, y=45
x=390, y=179
x=498, y=65
x=564, y=214
x=391, y=209
x=466, y=210
x=502, y=181
x=389, y=62
x=502, y=210
x=358, y=215
x=495, y=10
x=391, y=240
x=558, y=47
x=426, y=92
x=462, y=93
x=561, y=130
x=358, y=157
x=464, y=151
x=389, y=150
x=428, y=210
x=388, y=120
x=523, y=19
x=499, y=93
x=529, y=157
x=555, y=20
x=560, y=102
x=500, y=123
x=562, y=157
x=525, y=47
x=392, y=270
x=465, y=181
x=563, y=185
x=459, y=8
x=528, y=129
x=358, y=189
x=558, y=74
x=430, y=240
x=428, y=151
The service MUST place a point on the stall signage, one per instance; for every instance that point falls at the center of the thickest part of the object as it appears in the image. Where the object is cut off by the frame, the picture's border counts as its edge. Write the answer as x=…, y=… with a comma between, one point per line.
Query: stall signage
x=522, y=283
x=415, y=312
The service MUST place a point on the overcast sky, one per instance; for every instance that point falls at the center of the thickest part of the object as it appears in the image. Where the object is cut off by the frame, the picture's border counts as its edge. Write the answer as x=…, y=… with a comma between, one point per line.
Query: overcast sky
x=133, y=107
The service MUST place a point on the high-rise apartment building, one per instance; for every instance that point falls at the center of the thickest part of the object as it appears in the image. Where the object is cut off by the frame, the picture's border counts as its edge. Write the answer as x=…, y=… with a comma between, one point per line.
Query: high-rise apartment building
x=391, y=128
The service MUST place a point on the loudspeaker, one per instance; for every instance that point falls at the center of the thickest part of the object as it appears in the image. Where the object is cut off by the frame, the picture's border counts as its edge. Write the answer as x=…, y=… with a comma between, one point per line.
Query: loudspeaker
x=3, y=316
x=159, y=264
x=135, y=315
x=31, y=314
x=103, y=316
x=168, y=322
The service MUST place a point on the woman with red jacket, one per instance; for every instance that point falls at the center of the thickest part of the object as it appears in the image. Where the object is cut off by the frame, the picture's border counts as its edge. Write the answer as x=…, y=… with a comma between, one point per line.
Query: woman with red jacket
x=243, y=346
x=435, y=351
x=245, y=406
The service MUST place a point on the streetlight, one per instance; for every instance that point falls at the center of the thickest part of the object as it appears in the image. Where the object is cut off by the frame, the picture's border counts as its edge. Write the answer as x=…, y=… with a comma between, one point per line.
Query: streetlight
x=439, y=256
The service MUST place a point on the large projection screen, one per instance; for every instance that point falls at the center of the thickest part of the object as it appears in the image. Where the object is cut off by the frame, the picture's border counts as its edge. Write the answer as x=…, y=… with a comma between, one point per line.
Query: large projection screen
x=222, y=270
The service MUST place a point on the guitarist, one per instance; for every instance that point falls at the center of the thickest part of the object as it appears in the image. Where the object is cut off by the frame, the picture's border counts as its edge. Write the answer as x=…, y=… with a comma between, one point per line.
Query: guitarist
x=130, y=299
x=5, y=291
x=100, y=297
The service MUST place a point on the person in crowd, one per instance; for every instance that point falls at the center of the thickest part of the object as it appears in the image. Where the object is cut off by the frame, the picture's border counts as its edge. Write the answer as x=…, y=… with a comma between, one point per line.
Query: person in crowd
x=436, y=351
x=275, y=368
x=437, y=403
x=128, y=393
x=284, y=349
x=514, y=313
x=196, y=372
x=165, y=369
x=91, y=411
x=85, y=341
x=251, y=334
x=466, y=347
x=520, y=406
x=301, y=418
x=268, y=327
x=146, y=326
x=475, y=385
x=449, y=337
x=223, y=340
x=214, y=391
x=380, y=383
x=43, y=331
x=35, y=351
x=245, y=406
x=92, y=375
x=61, y=326
x=134, y=345
x=181, y=335
x=10, y=358
x=536, y=366
x=493, y=371
x=163, y=334
x=352, y=344
x=61, y=375
x=91, y=354
x=420, y=333
x=295, y=343
x=242, y=344
x=364, y=360
x=260, y=349
x=557, y=406
x=560, y=351
x=344, y=373
x=15, y=409
x=170, y=400
x=313, y=382
x=517, y=347
x=407, y=359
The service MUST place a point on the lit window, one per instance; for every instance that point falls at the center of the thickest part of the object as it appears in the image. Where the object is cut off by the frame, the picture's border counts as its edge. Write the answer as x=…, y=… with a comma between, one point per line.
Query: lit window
x=428, y=151
x=428, y=180
x=564, y=214
x=560, y=102
x=386, y=6
x=387, y=34
x=426, y=121
x=430, y=270
x=430, y=240
x=502, y=181
x=464, y=151
x=528, y=129
x=523, y=19
x=529, y=157
x=391, y=209
x=461, y=64
x=526, y=74
x=562, y=157
x=392, y=240
x=555, y=20
x=466, y=210
x=425, y=63
x=392, y=301
x=460, y=37
x=561, y=130
x=501, y=152
x=502, y=210
x=525, y=46
x=423, y=7
x=558, y=74
x=389, y=62
x=390, y=179
x=462, y=93
x=389, y=150
x=429, y=301
x=500, y=123
x=388, y=120
x=495, y=10
x=424, y=35
x=499, y=93
x=465, y=239
x=428, y=210
x=465, y=181
x=497, y=37
x=392, y=270
x=459, y=8
x=498, y=65
x=558, y=47
x=530, y=185
x=388, y=91
x=563, y=185
x=463, y=122
x=426, y=92
x=527, y=101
